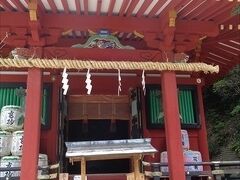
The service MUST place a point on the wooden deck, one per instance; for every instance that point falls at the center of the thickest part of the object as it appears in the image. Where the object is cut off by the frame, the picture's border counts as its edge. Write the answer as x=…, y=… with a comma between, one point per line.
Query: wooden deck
x=104, y=176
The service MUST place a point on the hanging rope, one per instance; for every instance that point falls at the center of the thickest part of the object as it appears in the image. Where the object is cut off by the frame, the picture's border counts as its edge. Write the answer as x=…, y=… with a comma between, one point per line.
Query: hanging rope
x=91, y=64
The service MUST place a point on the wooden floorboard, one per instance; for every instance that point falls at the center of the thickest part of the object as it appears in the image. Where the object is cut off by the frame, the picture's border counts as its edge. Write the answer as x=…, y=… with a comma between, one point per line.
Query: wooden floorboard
x=104, y=177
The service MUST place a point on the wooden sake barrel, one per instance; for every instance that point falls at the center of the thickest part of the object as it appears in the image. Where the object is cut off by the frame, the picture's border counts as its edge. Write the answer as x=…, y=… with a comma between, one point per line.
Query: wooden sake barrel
x=5, y=143
x=17, y=143
x=42, y=162
x=8, y=162
x=11, y=118
x=189, y=157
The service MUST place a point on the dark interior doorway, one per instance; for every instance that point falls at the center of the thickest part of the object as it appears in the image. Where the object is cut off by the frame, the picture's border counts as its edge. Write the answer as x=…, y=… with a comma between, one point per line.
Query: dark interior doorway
x=95, y=130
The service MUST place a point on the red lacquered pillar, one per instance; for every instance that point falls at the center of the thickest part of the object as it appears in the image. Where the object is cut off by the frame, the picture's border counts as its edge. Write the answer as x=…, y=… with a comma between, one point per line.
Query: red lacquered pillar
x=202, y=134
x=172, y=126
x=32, y=125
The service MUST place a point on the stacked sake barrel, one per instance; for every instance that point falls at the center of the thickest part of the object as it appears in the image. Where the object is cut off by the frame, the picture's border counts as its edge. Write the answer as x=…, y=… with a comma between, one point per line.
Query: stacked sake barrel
x=188, y=155
x=11, y=141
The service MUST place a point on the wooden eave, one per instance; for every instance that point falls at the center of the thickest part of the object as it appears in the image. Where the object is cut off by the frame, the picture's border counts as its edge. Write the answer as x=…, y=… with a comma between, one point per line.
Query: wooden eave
x=141, y=23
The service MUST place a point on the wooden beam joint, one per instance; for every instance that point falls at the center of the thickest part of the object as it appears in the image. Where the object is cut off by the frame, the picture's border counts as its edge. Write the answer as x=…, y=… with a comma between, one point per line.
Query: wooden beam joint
x=172, y=18
x=32, y=5
x=34, y=23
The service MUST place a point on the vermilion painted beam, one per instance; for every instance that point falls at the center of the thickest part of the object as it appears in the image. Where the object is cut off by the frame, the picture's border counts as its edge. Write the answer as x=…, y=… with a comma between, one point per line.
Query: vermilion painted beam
x=32, y=125
x=123, y=7
x=237, y=46
x=131, y=7
x=143, y=8
x=184, y=46
x=197, y=27
x=235, y=21
x=164, y=14
x=41, y=6
x=208, y=6
x=85, y=5
x=53, y=6
x=19, y=5
x=65, y=6
x=6, y=5
x=230, y=62
x=5, y=51
x=221, y=5
x=202, y=137
x=16, y=42
x=180, y=44
x=78, y=7
x=114, y=23
x=223, y=44
x=190, y=8
x=102, y=54
x=34, y=23
x=155, y=8
x=126, y=24
x=229, y=52
x=172, y=126
x=229, y=35
x=35, y=26
x=111, y=6
x=179, y=7
x=21, y=41
x=224, y=16
x=227, y=58
x=99, y=5
x=226, y=12
x=217, y=60
x=227, y=48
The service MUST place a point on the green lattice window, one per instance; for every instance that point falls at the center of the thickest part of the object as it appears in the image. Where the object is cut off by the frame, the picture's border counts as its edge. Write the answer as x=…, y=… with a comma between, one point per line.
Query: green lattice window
x=8, y=96
x=187, y=100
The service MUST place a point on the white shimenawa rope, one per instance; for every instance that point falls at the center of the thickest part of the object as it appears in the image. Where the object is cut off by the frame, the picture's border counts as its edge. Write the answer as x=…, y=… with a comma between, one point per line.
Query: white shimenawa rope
x=123, y=65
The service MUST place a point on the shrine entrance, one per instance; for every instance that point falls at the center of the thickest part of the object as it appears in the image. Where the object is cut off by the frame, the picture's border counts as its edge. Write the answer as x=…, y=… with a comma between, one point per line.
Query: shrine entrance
x=94, y=118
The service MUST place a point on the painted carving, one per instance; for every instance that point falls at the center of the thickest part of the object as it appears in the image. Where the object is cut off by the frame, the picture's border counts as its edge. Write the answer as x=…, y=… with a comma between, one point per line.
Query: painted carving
x=22, y=53
x=60, y=53
x=181, y=57
x=103, y=40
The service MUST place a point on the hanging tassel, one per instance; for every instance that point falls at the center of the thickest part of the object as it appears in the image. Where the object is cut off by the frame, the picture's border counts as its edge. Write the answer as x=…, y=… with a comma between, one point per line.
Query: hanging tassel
x=119, y=82
x=143, y=83
x=88, y=82
x=65, y=81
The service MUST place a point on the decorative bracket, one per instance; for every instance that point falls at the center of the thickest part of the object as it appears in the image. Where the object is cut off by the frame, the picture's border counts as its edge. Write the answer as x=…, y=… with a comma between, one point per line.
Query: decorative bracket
x=103, y=40
x=32, y=5
x=34, y=22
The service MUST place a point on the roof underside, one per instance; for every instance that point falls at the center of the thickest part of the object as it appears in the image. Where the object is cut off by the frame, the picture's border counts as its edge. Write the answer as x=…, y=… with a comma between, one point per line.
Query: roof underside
x=139, y=23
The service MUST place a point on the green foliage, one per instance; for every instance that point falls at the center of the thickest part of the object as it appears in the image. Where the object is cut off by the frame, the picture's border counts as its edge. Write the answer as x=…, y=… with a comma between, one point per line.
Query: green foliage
x=229, y=87
x=236, y=110
x=223, y=113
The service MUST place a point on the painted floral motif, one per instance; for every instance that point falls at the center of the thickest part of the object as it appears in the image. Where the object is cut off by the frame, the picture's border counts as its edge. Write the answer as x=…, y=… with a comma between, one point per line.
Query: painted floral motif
x=103, y=42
